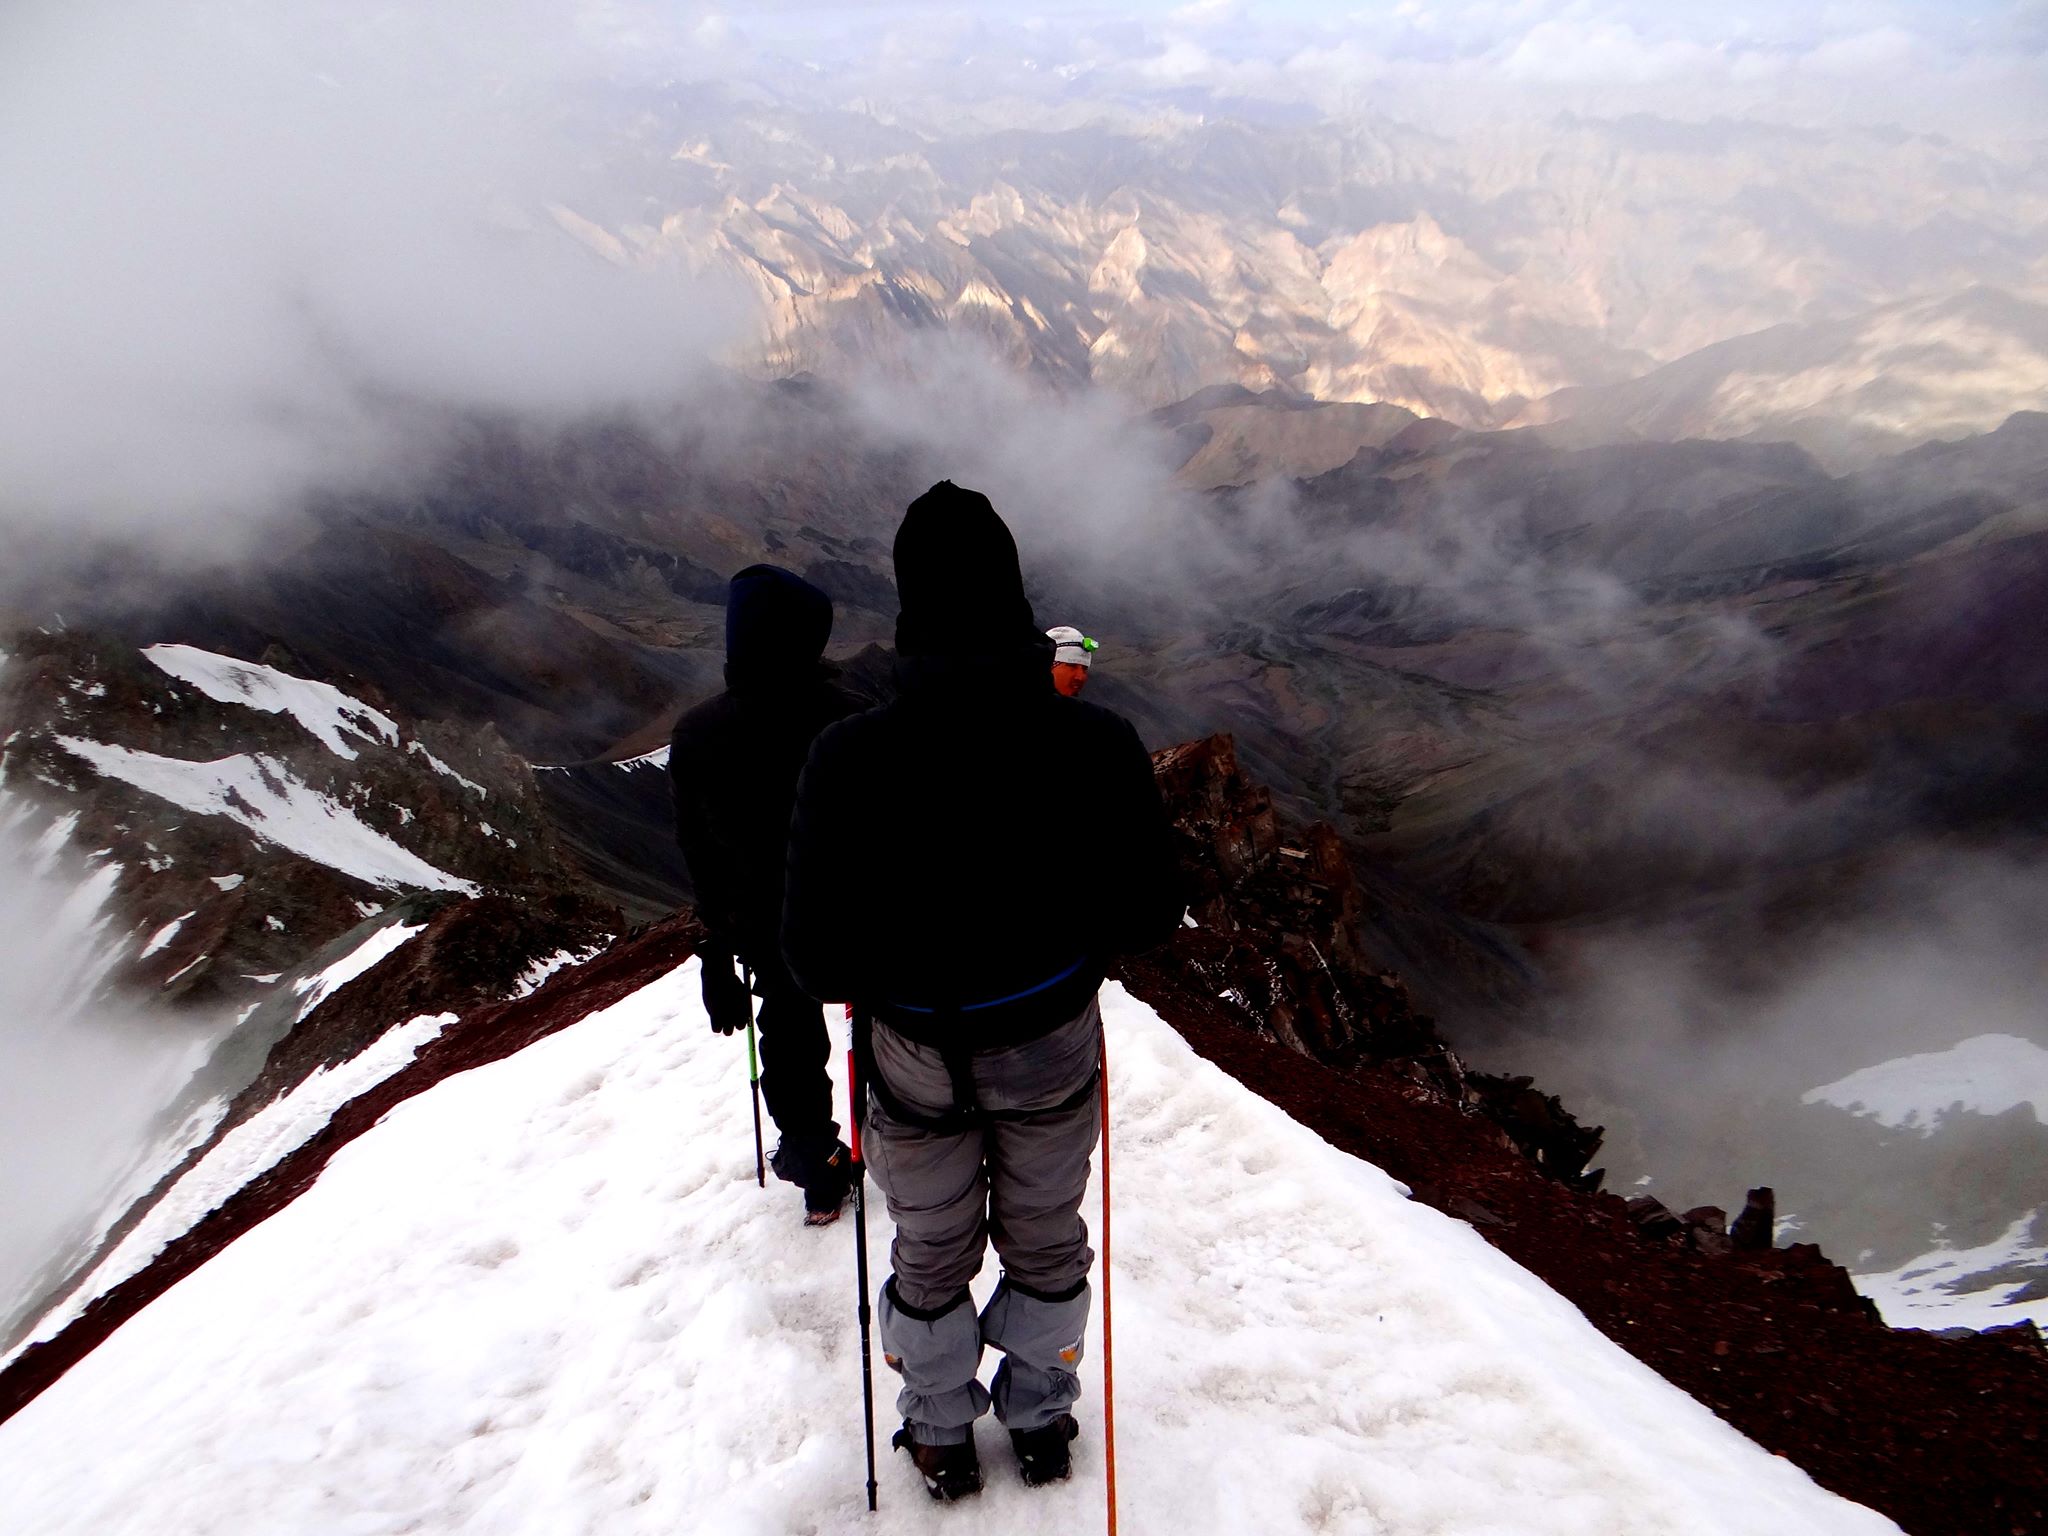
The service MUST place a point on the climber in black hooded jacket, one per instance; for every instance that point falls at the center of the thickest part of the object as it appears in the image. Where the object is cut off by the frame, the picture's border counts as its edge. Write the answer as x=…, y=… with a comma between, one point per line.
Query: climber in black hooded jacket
x=964, y=864
x=733, y=763
x=981, y=836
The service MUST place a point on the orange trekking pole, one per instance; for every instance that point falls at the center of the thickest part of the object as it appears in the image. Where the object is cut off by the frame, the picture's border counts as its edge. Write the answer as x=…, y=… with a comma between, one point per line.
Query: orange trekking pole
x=1108, y=1353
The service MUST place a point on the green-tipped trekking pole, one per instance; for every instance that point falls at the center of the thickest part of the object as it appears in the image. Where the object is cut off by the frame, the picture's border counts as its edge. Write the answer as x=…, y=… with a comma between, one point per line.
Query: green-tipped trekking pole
x=754, y=1077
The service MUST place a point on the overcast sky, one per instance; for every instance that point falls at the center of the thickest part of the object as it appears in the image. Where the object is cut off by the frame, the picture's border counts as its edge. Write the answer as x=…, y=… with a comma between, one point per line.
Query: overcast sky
x=1974, y=67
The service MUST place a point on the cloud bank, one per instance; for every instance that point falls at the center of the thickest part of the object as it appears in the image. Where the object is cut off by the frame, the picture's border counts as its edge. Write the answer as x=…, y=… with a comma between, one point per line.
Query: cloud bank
x=249, y=246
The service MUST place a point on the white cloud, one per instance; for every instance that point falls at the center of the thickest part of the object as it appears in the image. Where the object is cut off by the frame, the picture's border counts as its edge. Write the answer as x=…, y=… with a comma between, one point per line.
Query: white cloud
x=1605, y=52
x=1879, y=51
x=250, y=239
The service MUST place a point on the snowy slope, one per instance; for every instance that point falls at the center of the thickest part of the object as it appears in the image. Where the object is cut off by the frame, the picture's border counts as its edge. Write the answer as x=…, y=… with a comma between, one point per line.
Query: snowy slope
x=545, y=1296
x=252, y=1147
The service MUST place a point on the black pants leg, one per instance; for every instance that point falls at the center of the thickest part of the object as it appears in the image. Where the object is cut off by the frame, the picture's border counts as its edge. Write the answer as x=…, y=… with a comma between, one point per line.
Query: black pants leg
x=795, y=1047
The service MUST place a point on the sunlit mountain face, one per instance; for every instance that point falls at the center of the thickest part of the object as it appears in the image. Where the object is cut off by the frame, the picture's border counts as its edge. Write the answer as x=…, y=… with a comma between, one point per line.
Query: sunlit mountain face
x=1853, y=289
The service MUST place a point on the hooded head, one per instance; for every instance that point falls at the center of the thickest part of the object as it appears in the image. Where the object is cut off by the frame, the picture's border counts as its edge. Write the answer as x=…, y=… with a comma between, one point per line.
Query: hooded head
x=776, y=626
x=957, y=576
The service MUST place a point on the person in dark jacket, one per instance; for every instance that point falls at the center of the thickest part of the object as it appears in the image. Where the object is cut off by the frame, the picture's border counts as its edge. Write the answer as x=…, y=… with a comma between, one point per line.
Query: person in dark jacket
x=733, y=762
x=964, y=863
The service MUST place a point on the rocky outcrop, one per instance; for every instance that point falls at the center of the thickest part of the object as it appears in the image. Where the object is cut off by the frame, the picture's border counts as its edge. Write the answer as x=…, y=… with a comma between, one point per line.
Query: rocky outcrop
x=1274, y=920
x=1273, y=938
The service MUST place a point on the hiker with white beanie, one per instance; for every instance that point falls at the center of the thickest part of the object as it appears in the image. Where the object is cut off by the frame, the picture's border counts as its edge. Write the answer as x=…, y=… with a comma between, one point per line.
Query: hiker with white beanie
x=1071, y=655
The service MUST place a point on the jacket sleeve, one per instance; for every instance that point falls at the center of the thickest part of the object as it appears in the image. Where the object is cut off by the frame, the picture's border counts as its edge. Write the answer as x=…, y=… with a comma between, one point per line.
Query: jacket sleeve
x=1143, y=889
x=822, y=941
x=712, y=873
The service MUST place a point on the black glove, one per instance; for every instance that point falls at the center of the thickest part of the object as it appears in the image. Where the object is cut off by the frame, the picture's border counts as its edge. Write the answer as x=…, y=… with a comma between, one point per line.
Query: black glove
x=726, y=997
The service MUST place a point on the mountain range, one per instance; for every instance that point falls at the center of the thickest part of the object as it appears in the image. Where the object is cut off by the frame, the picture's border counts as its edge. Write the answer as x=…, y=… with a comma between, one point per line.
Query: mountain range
x=1846, y=289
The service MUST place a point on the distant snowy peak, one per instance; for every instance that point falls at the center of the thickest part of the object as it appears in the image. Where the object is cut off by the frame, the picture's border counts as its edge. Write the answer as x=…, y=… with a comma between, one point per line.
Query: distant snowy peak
x=1989, y=1285
x=321, y=708
x=1984, y=1075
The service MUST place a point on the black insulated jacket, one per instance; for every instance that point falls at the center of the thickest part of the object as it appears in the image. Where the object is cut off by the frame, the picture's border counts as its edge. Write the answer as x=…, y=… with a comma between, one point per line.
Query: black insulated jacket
x=734, y=759
x=967, y=860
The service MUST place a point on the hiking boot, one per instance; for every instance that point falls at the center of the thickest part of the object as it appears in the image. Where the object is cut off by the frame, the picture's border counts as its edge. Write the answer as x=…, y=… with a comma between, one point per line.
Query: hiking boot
x=822, y=1170
x=1042, y=1453
x=949, y=1471
x=828, y=1188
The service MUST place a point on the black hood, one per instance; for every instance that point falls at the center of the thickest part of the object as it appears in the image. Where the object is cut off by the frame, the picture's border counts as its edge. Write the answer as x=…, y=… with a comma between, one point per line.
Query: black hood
x=776, y=626
x=957, y=575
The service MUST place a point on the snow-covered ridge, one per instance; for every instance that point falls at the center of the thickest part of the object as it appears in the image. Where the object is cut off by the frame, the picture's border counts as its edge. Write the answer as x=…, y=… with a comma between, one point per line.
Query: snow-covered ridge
x=265, y=796
x=520, y=1303
x=1983, y=1075
x=537, y=974
x=321, y=708
x=316, y=989
x=658, y=758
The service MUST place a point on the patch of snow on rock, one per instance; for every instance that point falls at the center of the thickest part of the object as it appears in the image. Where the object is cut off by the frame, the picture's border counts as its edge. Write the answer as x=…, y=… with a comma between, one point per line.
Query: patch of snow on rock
x=317, y=988
x=440, y=767
x=531, y=979
x=165, y=934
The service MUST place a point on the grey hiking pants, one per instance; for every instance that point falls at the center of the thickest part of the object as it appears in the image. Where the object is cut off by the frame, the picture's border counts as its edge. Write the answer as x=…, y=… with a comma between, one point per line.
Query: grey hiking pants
x=1017, y=1177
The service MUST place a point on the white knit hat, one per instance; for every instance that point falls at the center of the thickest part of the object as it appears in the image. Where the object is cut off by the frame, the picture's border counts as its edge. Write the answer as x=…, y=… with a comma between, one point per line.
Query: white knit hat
x=1071, y=646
